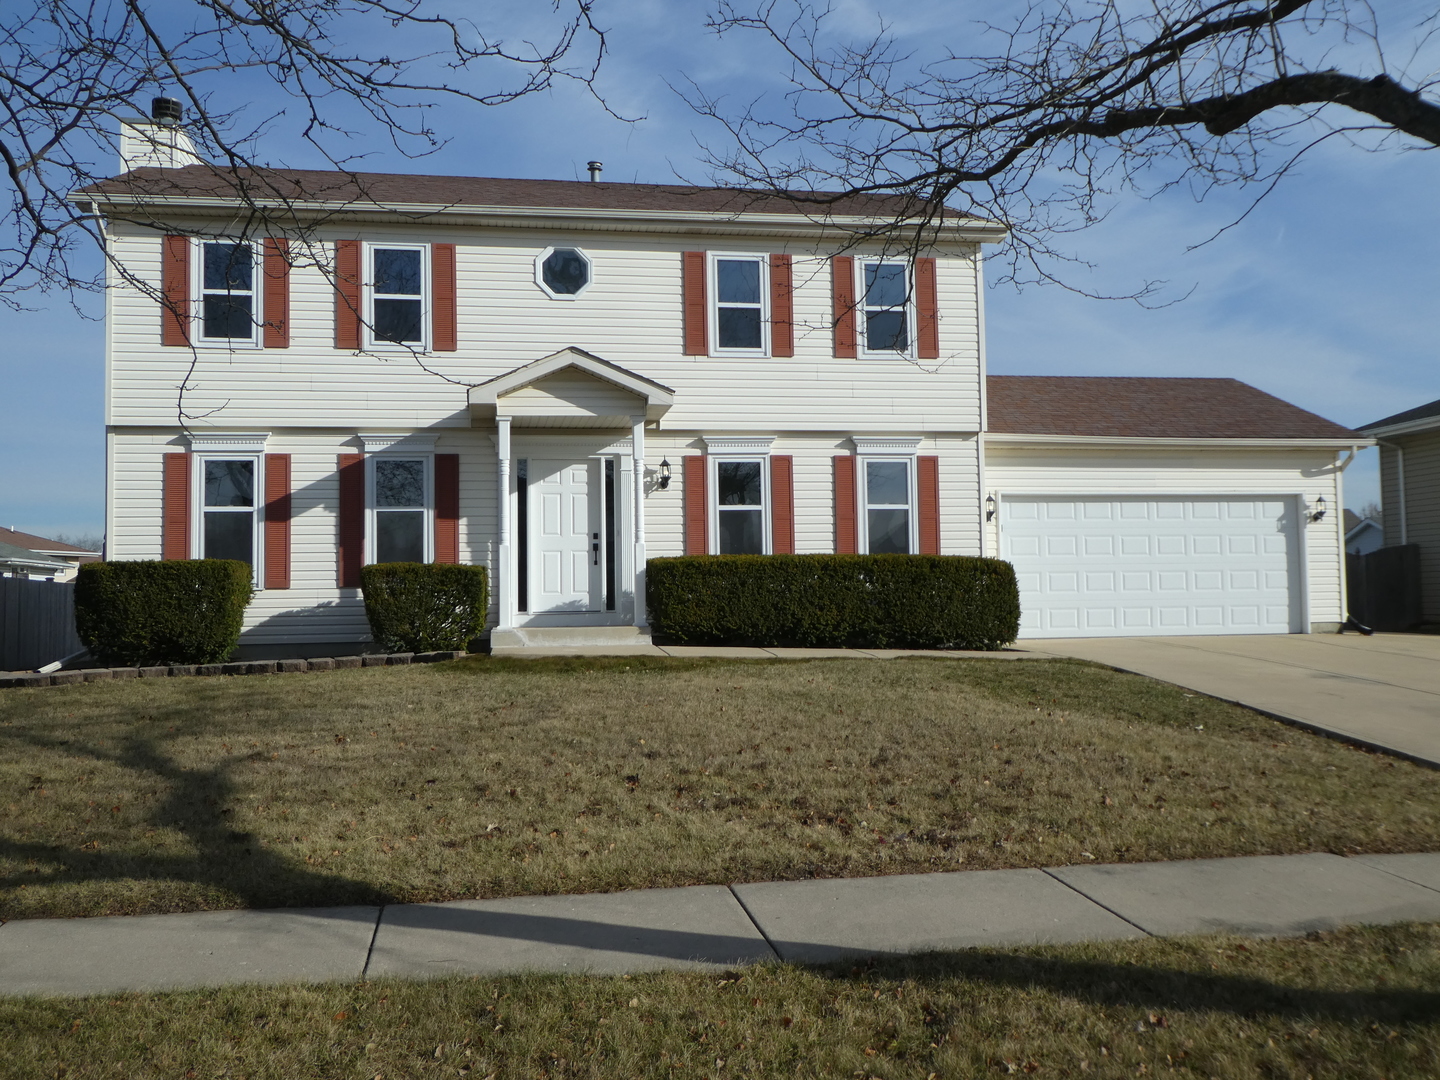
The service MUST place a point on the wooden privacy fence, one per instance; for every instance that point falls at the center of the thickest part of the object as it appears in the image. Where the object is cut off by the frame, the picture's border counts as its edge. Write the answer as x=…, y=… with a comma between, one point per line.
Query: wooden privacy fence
x=37, y=623
x=1383, y=587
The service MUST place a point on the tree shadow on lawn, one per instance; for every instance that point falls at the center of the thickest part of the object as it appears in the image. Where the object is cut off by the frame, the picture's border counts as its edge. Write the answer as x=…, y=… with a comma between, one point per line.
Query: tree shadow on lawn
x=1151, y=988
x=233, y=865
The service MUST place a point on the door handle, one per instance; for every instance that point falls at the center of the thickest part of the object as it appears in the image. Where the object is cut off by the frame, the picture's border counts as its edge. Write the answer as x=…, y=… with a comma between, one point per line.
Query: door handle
x=595, y=548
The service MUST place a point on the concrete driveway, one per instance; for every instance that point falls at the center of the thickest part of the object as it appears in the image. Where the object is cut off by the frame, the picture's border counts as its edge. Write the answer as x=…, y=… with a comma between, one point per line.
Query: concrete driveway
x=1383, y=691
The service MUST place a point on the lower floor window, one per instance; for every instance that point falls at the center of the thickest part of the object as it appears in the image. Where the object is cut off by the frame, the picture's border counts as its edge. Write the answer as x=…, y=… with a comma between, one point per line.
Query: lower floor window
x=740, y=507
x=401, y=510
x=228, y=526
x=887, y=507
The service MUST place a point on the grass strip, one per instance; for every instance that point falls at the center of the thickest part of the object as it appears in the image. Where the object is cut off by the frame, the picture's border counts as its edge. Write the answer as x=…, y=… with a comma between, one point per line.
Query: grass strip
x=1354, y=1003
x=486, y=778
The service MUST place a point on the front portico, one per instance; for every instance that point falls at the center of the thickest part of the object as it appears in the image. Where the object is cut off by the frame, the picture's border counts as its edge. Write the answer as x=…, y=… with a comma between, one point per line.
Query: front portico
x=570, y=535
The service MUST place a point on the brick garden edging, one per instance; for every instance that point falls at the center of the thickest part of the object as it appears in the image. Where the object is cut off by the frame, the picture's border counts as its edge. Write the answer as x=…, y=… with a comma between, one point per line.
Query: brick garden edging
x=239, y=667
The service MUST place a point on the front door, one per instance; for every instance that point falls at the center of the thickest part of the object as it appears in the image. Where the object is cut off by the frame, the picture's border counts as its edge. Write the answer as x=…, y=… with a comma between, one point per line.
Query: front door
x=566, y=560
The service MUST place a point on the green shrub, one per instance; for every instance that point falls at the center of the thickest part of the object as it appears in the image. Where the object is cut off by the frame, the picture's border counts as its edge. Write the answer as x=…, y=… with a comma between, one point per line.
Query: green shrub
x=424, y=607
x=853, y=601
x=177, y=611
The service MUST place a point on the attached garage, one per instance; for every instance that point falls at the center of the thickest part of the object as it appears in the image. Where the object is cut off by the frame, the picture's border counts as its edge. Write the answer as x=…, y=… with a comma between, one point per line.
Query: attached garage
x=1144, y=507
x=1121, y=565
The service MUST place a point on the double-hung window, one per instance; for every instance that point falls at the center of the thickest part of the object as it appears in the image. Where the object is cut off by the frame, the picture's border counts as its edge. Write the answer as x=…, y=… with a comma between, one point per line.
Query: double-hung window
x=888, y=497
x=887, y=308
x=402, y=508
x=228, y=309
x=228, y=525
x=397, y=281
x=740, y=506
x=741, y=300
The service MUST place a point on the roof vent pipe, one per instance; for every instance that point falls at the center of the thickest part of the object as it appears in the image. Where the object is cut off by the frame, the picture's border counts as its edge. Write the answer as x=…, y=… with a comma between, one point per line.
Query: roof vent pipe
x=166, y=110
x=596, y=168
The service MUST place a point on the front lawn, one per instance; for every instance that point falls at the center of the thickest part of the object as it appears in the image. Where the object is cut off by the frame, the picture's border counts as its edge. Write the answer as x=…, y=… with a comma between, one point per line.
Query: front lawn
x=1358, y=1003
x=491, y=778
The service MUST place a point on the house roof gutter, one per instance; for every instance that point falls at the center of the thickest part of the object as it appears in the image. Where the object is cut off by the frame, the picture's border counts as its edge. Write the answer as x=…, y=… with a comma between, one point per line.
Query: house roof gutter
x=1409, y=427
x=1006, y=438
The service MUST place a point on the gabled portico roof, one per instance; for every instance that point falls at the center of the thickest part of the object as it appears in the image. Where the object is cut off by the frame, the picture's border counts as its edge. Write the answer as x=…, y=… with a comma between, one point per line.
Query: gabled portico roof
x=571, y=388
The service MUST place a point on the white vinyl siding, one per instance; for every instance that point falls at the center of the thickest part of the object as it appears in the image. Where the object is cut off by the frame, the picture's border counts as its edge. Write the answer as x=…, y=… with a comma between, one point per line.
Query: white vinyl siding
x=630, y=314
x=1422, y=508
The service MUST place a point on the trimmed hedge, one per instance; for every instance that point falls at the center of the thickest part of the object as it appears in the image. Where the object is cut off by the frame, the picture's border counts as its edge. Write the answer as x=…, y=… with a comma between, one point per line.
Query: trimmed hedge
x=834, y=601
x=175, y=611
x=424, y=607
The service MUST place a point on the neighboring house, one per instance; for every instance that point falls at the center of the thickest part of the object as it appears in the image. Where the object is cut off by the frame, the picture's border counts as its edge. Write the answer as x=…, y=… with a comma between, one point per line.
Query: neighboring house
x=1362, y=535
x=51, y=558
x=560, y=379
x=1410, y=491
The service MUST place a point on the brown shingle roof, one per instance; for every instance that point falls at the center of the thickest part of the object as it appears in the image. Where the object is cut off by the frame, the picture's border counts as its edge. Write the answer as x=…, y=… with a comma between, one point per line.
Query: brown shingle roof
x=1420, y=412
x=1148, y=408
x=387, y=189
x=39, y=543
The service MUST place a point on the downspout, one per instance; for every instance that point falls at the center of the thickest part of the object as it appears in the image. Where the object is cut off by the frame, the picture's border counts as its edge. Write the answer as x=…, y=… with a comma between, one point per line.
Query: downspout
x=1399, y=485
x=984, y=403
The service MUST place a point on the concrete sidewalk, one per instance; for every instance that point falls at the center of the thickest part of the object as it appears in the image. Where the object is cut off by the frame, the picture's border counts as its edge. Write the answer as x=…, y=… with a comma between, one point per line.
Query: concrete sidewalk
x=714, y=926
x=1381, y=691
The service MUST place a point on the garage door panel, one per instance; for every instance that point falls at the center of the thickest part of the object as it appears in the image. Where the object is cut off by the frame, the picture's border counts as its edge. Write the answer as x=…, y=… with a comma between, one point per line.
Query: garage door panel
x=1148, y=565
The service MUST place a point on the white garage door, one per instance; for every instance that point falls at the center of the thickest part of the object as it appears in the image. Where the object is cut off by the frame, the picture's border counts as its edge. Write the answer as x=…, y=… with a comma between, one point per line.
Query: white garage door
x=1102, y=567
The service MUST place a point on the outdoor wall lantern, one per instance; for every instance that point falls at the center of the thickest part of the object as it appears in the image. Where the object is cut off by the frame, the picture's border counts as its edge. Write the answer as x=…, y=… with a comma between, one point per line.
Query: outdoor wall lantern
x=989, y=507
x=664, y=474
x=1319, y=511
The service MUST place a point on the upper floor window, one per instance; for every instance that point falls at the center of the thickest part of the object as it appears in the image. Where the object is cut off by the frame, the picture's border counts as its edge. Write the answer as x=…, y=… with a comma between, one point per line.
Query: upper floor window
x=740, y=506
x=401, y=505
x=563, y=272
x=740, y=299
x=397, y=295
x=887, y=307
x=229, y=311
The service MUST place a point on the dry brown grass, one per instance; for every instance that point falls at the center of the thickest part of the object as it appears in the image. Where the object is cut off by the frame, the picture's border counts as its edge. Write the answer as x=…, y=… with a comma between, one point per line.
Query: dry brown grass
x=1361, y=1003
x=492, y=778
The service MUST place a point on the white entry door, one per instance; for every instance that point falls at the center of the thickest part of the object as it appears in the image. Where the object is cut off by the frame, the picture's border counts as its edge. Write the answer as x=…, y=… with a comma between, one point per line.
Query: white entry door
x=565, y=547
x=1112, y=567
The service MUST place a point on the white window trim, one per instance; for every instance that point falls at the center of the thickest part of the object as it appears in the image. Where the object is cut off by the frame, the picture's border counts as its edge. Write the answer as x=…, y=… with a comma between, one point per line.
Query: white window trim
x=197, y=509
x=197, y=295
x=881, y=449
x=540, y=271
x=712, y=279
x=368, y=296
x=738, y=453
x=861, y=308
x=371, y=511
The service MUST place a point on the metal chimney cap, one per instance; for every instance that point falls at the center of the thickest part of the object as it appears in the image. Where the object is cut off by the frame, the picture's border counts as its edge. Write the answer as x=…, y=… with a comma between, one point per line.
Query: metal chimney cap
x=595, y=167
x=166, y=110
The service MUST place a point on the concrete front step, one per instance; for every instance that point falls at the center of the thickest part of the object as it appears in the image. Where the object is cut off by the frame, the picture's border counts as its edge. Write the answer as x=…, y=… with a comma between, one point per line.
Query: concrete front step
x=525, y=638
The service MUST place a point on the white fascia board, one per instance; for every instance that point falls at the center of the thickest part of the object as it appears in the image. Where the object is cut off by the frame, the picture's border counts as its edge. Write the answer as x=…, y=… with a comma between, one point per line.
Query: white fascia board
x=1410, y=427
x=644, y=221
x=1011, y=439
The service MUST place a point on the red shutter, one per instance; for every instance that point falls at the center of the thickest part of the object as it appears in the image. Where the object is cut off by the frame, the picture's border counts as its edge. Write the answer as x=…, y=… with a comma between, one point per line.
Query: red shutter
x=842, y=286
x=927, y=311
x=175, y=508
x=347, y=295
x=782, y=504
x=350, y=548
x=927, y=478
x=447, y=508
x=443, y=333
x=175, y=284
x=277, y=521
x=845, y=535
x=277, y=298
x=697, y=508
x=782, y=308
x=693, y=303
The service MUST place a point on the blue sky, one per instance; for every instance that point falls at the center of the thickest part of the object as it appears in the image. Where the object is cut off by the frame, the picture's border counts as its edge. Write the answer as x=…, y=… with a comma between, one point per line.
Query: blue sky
x=1324, y=295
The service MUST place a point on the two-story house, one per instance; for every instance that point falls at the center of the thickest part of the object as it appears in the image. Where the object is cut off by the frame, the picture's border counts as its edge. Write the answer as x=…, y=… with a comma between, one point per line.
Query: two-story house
x=315, y=370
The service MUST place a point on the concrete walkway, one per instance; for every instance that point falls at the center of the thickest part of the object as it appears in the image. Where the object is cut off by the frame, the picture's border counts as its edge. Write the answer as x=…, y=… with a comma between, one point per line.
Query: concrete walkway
x=714, y=926
x=1381, y=691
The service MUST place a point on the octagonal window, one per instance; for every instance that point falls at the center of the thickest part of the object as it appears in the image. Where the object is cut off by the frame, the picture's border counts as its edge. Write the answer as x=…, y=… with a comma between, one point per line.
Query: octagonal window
x=563, y=272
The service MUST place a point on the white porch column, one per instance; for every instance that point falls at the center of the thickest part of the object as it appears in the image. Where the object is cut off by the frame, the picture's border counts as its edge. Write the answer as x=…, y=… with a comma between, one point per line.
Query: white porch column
x=504, y=586
x=637, y=449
